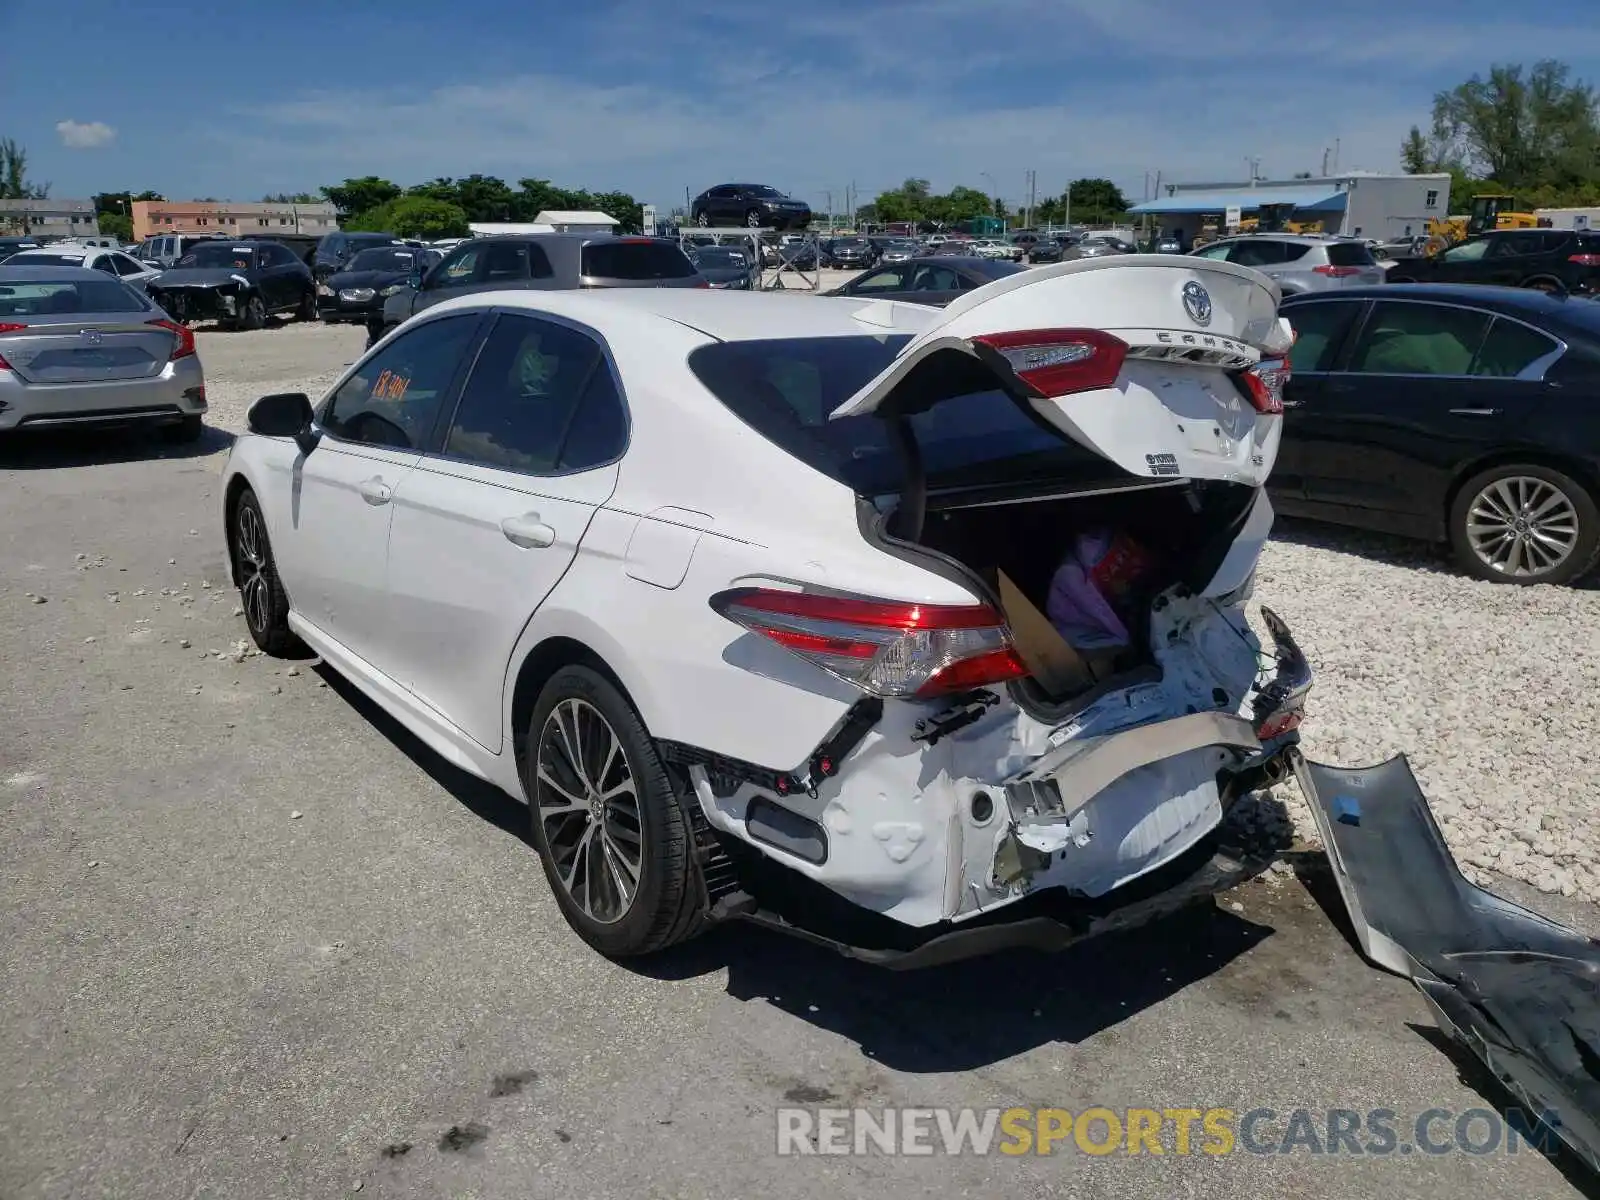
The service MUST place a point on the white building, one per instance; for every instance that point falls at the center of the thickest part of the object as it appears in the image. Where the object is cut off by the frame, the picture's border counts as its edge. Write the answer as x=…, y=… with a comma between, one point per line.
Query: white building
x=1568, y=218
x=572, y=221
x=49, y=218
x=1354, y=204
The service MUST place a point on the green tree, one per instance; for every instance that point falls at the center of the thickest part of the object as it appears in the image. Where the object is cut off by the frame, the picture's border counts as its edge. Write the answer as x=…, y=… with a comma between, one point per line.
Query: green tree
x=114, y=224
x=14, y=183
x=1522, y=128
x=1049, y=211
x=412, y=216
x=1096, y=201
x=290, y=198
x=355, y=196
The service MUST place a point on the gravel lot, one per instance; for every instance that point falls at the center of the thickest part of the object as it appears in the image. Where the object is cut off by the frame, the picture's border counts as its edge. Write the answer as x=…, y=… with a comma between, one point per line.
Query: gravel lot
x=258, y=942
x=1493, y=692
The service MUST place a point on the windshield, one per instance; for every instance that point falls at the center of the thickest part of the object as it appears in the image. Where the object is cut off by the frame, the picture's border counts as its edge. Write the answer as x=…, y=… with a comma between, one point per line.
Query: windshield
x=50, y=297
x=784, y=389
x=717, y=256
x=383, y=258
x=220, y=254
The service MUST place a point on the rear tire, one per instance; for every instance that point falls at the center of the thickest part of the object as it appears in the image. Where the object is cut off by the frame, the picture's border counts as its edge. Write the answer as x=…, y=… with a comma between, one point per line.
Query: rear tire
x=616, y=843
x=752, y=219
x=188, y=429
x=703, y=219
x=1556, y=511
x=266, y=604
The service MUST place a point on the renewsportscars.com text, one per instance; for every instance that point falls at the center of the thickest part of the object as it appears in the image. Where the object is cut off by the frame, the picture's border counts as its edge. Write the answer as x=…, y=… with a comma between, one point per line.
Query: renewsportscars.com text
x=1175, y=1131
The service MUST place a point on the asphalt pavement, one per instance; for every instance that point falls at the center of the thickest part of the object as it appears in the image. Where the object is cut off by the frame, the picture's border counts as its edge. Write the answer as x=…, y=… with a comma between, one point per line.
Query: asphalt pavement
x=259, y=943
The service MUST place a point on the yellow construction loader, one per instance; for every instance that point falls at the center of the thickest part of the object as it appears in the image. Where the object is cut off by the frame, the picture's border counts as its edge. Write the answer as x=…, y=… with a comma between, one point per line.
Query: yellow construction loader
x=1490, y=210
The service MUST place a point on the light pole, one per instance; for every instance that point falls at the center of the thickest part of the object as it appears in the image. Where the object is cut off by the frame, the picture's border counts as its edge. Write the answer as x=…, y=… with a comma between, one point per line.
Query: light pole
x=994, y=192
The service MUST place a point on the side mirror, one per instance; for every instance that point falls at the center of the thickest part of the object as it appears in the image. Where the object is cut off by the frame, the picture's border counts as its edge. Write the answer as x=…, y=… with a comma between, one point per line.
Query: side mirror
x=414, y=280
x=284, y=414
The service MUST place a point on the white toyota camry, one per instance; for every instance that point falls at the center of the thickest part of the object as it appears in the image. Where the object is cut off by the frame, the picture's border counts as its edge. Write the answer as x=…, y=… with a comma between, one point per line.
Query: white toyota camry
x=807, y=609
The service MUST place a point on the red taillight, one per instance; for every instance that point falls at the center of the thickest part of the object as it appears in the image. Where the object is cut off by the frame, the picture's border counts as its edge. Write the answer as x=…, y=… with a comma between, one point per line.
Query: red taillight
x=1337, y=272
x=1058, y=362
x=9, y=327
x=1264, y=384
x=184, y=334
x=883, y=647
x=1585, y=260
x=703, y=283
x=1280, y=723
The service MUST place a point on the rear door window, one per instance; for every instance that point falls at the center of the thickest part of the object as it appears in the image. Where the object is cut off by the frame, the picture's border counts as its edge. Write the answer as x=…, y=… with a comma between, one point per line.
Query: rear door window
x=631, y=259
x=394, y=397
x=1408, y=338
x=1263, y=253
x=935, y=279
x=519, y=409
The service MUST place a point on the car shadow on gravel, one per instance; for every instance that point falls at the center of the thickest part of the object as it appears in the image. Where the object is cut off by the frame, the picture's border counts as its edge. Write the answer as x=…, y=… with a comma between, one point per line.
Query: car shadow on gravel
x=54, y=449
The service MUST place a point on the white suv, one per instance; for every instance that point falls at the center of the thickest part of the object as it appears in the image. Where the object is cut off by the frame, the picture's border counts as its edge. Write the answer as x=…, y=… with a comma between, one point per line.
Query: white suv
x=750, y=593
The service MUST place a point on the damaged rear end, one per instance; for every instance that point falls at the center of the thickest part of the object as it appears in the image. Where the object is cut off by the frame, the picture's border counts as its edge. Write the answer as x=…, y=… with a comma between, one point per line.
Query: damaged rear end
x=1081, y=450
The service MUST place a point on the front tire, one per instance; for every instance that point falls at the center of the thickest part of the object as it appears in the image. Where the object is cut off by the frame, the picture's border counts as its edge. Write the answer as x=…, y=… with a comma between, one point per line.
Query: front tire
x=265, y=603
x=308, y=307
x=752, y=219
x=615, y=841
x=254, y=313
x=1525, y=524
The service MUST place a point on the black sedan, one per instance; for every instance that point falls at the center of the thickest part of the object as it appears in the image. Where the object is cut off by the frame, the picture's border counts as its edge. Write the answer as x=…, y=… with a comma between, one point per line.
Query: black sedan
x=356, y=292
x=1460, y=414
x=935, y=281
x=753, y=205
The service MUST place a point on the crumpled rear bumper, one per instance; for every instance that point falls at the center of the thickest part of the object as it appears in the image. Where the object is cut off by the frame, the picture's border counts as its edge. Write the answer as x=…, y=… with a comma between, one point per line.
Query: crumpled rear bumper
x=1520, y=992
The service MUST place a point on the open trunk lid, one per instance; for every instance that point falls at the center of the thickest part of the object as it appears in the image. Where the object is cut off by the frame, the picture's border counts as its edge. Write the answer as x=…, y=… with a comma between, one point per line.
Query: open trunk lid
x=1175, y=332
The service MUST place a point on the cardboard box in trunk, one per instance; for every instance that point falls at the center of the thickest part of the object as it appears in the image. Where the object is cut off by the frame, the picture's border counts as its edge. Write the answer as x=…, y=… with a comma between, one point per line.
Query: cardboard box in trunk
x=1060, y=669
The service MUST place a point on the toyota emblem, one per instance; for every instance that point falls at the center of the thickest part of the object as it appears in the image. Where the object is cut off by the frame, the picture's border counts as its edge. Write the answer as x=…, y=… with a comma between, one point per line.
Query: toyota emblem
x=1197, y=303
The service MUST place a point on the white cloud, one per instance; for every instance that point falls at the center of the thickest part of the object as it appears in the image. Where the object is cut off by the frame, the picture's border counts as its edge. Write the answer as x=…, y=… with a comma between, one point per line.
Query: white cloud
x=85, y=135
x=1063, y=87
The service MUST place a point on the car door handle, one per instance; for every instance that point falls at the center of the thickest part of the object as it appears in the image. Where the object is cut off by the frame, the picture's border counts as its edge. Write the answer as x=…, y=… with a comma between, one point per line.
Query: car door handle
x=1292, y=403
x=375, y=490
x=528, y=531
x=1475, y=412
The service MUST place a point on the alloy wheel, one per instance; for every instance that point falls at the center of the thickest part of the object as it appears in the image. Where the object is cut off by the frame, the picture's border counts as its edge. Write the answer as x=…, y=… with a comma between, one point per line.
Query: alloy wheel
x=1522, y=527
x=251, y=546
x=588, y=806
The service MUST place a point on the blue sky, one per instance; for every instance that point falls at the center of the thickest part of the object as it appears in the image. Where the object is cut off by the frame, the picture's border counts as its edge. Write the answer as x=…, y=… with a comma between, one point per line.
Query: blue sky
x=290, y=95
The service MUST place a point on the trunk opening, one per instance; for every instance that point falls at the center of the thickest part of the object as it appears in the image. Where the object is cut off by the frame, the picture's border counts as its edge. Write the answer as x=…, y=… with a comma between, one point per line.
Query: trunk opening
x=1184, y=530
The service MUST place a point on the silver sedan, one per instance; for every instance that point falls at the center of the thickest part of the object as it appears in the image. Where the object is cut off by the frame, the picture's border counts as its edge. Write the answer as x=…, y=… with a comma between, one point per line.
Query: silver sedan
x=80, y=347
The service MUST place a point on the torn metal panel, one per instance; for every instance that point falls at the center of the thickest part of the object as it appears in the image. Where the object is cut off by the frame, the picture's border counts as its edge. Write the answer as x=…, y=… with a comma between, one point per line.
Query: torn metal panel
x=1519, y=991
